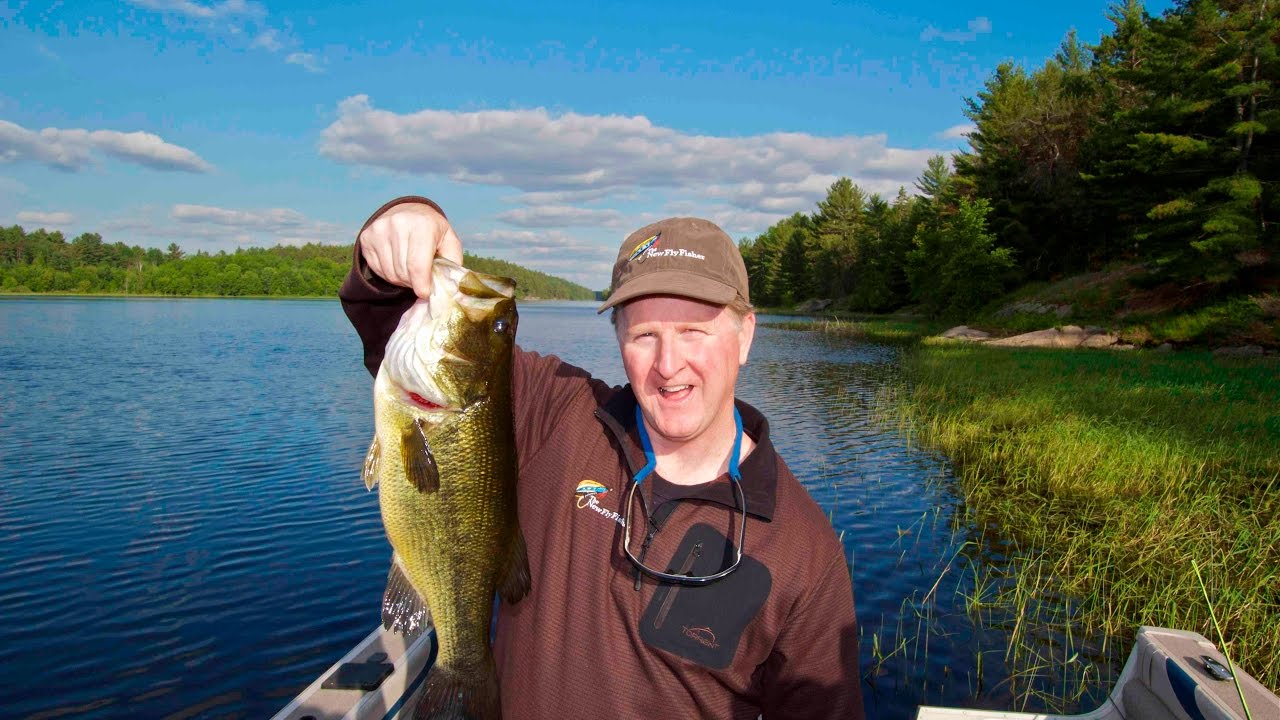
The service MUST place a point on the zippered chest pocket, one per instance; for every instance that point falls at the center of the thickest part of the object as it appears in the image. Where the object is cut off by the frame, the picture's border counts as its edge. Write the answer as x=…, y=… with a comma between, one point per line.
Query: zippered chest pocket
x=705, y=623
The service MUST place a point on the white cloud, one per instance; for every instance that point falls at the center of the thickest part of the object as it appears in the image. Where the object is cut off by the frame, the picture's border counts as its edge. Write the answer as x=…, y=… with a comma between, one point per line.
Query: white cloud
x=210, y=228
x=533, y=243
x=269, y=40
x=46, y=219
x=244, y=22
x=560, y=197
x=73, y=149
x=256, y=219
x=306, y=61
x=975, y=27
x=544, y=154
x=587, y=262
x=198, y=11
x=260, y=227
x=543, y=216
x=957, y=132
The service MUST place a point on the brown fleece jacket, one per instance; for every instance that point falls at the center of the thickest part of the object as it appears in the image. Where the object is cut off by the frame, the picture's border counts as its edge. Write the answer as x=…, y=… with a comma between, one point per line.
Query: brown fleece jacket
x=594, y=639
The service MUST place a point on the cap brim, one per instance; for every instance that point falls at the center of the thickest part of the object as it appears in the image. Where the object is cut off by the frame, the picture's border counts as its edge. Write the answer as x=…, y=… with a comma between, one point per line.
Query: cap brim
x=672, y=282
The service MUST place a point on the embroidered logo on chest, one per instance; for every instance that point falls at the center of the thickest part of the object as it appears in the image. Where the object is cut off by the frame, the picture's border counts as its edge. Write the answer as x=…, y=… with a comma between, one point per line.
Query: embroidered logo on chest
x=588, y=493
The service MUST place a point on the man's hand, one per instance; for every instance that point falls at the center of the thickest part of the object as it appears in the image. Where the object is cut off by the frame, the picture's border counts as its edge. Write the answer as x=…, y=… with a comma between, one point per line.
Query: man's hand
x=401, y=244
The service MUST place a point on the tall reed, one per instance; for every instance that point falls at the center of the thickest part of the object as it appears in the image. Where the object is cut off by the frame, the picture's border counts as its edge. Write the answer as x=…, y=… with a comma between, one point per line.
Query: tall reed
x=1115, y=472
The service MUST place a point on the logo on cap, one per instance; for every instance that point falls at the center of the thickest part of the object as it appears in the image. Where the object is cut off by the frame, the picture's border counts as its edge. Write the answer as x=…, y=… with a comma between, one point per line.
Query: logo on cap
x=644, y=246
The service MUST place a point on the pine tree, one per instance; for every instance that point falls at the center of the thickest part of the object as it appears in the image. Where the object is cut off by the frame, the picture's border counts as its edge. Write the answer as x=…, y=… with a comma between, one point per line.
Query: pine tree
x=1194, y=96
x=837, y=252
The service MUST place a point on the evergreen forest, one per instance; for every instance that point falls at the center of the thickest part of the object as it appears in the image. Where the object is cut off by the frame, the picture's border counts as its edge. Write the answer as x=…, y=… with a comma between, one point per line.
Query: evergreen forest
x=1156, y=148
x=44, y=262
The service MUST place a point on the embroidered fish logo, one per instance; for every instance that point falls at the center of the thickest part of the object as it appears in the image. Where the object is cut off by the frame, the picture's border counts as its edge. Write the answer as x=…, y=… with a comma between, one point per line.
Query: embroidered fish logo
x=644, y=246
x=587, y=489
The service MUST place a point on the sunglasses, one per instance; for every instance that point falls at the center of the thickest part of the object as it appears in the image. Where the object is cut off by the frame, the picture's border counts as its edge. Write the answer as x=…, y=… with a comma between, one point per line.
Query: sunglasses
x=735, y=477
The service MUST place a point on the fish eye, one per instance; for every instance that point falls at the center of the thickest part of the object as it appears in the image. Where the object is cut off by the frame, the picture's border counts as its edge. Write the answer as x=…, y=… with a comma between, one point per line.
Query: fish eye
x=500, y=325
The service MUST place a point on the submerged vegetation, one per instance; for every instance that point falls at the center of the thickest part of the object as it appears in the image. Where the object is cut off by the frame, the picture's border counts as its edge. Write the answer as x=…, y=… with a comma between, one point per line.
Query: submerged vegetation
x=44, y=262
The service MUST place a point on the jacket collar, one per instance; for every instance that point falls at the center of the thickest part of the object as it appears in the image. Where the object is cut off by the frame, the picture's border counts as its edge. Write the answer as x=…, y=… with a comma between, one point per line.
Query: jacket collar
x=759, y=469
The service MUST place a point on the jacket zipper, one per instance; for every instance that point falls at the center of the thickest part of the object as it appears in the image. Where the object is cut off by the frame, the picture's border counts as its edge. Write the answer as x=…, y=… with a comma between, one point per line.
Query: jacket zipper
x=694, y=554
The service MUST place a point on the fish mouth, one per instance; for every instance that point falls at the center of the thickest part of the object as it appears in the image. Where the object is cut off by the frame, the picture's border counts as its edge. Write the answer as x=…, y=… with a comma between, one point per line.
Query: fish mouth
x=423, y=402
x=428, y=401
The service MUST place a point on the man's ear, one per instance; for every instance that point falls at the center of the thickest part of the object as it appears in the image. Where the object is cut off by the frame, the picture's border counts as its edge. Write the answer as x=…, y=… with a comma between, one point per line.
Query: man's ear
x=746, y=335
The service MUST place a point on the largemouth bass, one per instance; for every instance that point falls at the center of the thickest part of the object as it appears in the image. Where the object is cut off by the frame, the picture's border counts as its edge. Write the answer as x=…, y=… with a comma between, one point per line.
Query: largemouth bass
x=443, y=459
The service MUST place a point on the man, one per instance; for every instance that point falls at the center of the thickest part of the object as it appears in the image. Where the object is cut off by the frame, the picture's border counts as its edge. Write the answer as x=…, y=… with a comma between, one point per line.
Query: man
x=679, y=569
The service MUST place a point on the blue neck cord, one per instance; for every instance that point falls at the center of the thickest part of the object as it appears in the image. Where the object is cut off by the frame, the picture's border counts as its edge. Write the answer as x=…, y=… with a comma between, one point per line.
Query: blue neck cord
x=651, y=461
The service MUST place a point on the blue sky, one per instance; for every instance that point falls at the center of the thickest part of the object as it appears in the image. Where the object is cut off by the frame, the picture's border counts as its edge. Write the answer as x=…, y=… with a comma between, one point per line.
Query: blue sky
x=547, y=131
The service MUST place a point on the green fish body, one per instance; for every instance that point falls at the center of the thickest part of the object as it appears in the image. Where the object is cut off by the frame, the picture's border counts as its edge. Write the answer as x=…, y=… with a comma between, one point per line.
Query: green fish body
x=443, y=459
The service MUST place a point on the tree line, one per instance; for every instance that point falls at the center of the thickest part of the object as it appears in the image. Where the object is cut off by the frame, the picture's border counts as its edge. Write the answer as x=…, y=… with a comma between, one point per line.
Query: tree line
x=1158, y=145
x=42, y=262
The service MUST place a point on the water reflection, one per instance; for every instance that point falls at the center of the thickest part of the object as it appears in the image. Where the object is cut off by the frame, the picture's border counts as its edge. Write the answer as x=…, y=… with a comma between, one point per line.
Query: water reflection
x=184, y=531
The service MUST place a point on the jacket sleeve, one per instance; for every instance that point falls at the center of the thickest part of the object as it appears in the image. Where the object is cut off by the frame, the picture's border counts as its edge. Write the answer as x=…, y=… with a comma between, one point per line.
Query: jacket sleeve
x=373, y=305
x=545, y=390
x=813, y=671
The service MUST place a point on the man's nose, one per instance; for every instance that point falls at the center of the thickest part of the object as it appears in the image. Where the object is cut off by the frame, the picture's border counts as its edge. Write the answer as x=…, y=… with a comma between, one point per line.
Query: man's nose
x=670, y=359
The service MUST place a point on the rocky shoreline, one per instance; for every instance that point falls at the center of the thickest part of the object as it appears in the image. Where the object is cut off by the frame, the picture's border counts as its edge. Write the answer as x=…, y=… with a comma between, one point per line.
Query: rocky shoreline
x=1074, y=336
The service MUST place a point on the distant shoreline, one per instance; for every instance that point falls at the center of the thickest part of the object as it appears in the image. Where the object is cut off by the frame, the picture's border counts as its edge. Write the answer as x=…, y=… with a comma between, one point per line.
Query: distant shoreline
x=158, y=296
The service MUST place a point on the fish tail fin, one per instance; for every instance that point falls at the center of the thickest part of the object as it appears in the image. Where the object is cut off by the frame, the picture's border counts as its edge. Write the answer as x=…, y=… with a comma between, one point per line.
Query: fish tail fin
x=457, y=695
x=514, y=583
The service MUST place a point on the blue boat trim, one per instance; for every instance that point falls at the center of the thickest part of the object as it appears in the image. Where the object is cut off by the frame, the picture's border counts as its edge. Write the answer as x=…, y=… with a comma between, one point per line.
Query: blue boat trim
x=1184, y=688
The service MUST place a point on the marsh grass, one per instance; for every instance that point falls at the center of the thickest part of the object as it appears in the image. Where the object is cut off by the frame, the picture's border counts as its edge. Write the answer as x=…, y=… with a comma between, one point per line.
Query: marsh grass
x=1090, y=484
x=889, y=332
x=1111, y=473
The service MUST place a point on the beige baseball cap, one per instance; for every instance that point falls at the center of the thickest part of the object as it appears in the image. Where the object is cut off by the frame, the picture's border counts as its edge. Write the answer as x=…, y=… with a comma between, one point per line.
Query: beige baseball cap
x=684, y=256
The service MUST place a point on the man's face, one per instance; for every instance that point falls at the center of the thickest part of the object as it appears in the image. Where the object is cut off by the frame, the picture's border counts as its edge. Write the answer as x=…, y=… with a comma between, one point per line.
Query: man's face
x=682, y=358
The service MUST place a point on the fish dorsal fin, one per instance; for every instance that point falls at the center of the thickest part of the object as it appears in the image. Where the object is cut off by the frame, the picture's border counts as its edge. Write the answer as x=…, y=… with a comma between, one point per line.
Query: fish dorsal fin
x=479, y=285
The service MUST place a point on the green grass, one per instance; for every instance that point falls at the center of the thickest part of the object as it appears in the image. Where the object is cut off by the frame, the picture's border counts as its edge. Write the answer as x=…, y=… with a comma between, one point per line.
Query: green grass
x=1113, y=472
x=891, y=332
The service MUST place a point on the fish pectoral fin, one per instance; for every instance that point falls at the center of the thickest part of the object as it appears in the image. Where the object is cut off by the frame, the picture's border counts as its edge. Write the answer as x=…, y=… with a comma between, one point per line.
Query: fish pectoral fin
x=369, y=473
x=419, y=464
x=404, y=610
x=515, y=581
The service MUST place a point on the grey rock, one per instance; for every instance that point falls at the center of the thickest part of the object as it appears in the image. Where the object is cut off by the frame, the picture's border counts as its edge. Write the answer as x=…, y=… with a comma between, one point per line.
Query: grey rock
x=1100, y=340
x=1244, y=351
x=1040, y=338
x=1164, y=347
x=813, y=305
x=1070, y=336
x=964, y=332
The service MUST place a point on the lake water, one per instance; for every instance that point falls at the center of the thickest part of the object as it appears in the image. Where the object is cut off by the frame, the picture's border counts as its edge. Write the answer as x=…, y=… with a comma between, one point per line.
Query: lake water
x=184, y=533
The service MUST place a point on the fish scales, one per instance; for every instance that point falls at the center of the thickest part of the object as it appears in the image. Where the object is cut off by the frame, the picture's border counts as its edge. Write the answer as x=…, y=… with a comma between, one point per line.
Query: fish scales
x=443, y=458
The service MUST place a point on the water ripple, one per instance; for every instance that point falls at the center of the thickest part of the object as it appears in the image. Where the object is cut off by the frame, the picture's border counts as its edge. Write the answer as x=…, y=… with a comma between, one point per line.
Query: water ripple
x=184, y=531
